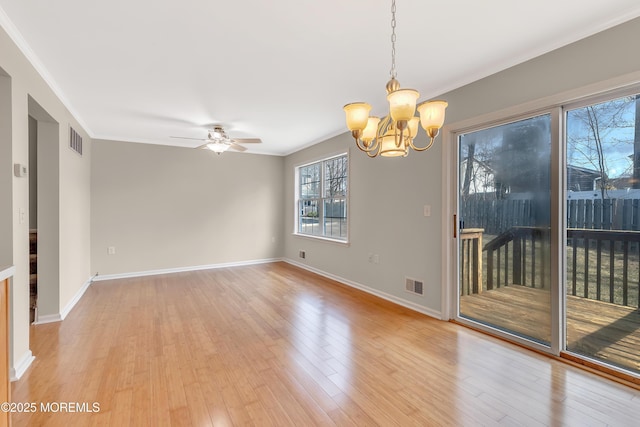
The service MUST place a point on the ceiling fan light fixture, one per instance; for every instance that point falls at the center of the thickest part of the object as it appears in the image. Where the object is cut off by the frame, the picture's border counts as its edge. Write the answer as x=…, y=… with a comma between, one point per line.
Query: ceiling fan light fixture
x=218, y=141
x=393, y=135
x=217, y=147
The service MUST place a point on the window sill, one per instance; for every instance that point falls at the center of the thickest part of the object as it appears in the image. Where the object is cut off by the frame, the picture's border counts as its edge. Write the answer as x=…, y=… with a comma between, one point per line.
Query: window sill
x=322, y=238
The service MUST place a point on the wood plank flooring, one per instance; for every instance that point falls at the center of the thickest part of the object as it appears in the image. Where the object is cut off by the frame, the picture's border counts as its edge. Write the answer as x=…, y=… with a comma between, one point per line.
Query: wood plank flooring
x=273, y=345
x=594, y=328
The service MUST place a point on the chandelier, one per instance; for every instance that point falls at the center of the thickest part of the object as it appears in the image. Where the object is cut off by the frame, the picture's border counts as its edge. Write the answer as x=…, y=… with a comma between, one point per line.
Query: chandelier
x=393, y=135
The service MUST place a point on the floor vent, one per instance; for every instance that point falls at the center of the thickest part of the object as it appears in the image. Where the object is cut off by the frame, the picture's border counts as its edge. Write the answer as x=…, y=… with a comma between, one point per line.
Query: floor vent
x=414, y=286
x=75, y=141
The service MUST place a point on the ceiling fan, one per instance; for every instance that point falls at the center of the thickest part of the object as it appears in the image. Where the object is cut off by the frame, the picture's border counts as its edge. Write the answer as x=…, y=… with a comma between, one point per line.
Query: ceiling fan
x=218, y=141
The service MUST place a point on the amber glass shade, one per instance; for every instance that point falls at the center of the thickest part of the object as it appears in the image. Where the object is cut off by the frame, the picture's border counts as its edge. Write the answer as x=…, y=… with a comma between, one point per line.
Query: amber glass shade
x=402, y=104
x=432, y=114
x=413, y=127
x=371, y=130
x=388, y=146
x=357, y=115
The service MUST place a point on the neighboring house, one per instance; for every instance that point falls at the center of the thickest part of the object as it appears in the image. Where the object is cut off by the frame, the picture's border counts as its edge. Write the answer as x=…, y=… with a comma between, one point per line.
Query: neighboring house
x=582, y=179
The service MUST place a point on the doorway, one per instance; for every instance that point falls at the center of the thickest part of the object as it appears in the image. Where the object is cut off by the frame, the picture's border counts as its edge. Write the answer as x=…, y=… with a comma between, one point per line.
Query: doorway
x=33, y=219
x=44, y=212
x=548, y=249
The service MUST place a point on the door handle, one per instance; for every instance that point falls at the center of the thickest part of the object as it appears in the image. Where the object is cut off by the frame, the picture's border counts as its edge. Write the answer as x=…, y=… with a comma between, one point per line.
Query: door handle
x=455, y=226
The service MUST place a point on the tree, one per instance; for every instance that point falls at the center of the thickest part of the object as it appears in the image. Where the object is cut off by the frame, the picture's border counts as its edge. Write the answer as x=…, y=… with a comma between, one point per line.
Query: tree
x=336, y=177
x=598, y=137
x=471, y=149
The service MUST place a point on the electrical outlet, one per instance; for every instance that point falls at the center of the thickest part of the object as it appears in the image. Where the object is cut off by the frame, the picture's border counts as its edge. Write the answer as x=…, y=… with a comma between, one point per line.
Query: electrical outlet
x=302, y=254
x=111, y=250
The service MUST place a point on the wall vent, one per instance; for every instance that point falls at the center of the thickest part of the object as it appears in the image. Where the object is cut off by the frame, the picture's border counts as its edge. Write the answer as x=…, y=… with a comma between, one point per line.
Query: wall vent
x=75, y=141
x=414, y=286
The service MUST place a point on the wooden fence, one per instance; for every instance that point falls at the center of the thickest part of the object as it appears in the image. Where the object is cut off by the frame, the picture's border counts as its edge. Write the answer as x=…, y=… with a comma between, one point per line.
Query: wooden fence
x=495, y=215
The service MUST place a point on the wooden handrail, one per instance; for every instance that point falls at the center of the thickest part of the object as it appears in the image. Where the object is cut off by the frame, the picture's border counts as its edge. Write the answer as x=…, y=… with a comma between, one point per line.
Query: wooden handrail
x=471, y=274
x=519, y=256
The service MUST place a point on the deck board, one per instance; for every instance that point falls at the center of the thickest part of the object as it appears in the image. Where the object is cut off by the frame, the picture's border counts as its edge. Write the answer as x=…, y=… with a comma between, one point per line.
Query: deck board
x=608, y=331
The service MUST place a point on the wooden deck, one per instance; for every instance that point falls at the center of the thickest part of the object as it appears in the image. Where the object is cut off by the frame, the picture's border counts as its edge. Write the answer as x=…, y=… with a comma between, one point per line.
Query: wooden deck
x=607, y=331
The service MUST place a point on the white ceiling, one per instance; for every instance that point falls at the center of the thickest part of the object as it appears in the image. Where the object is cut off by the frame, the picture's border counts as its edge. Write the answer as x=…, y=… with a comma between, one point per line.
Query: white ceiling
x=144, y=70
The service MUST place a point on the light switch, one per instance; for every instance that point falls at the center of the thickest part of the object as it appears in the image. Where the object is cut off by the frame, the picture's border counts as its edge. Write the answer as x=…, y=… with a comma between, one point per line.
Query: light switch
x=427, y=210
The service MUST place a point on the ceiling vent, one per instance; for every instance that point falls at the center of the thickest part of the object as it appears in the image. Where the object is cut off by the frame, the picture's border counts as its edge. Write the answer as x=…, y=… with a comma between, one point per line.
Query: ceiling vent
x=75, y=141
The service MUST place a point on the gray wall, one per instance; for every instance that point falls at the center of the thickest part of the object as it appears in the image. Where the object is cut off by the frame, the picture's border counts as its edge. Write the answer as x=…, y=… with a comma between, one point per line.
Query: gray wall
x=70, y=198
x=387, y=195
x=166, y=207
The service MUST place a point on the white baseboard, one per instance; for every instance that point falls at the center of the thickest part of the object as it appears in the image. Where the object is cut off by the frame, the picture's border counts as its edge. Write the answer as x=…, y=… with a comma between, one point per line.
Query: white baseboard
x=21, y=366
x=99, y=278
x=67, y=308
x=392, y=298
x=52, y=318
x=49, y=318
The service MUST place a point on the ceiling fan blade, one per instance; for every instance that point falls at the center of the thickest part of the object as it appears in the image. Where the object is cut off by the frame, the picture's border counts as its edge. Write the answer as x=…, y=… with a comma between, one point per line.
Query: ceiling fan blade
x=186, y=137
x=203, y=145
x=247, y=140
x=237, y=147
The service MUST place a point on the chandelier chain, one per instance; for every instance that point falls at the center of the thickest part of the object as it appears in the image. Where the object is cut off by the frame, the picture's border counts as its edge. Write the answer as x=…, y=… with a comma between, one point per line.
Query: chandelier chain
x=393, y=39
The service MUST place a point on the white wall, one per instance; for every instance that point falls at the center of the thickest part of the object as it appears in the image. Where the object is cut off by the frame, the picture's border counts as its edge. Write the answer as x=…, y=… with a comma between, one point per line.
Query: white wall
x=73, y=200
x=387, y=195
x=166, y=207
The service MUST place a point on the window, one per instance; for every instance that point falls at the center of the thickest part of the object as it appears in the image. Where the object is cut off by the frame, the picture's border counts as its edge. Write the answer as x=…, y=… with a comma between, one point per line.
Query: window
x=321, y=194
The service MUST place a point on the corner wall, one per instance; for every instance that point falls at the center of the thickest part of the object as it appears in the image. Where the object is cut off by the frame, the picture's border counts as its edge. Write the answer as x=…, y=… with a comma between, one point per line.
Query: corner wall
x=73, y=202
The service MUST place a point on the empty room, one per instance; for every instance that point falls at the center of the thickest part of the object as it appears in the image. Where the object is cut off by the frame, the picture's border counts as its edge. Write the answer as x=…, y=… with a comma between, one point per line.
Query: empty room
x=301, y=213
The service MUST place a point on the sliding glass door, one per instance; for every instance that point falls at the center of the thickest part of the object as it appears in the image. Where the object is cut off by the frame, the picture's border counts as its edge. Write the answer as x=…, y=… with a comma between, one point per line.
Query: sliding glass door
x=602, y=233
x=552, y=260
x=504, y=207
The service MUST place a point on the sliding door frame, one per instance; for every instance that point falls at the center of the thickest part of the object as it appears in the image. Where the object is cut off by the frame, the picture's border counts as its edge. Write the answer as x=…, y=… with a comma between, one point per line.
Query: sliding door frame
x=552, y=105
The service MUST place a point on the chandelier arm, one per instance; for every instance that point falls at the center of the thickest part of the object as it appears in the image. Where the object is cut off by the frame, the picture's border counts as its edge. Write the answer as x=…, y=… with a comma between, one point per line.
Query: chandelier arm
x=400, y=139
x=382, y=126
x=362, y=147
x=421, y=148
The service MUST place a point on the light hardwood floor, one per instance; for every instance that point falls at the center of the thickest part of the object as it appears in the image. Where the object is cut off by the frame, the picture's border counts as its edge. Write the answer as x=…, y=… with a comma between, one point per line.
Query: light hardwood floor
x=610, y=332
x=274, y=345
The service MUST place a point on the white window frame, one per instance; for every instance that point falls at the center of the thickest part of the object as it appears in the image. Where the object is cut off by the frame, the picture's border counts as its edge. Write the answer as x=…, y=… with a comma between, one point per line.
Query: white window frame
x=320, y=200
